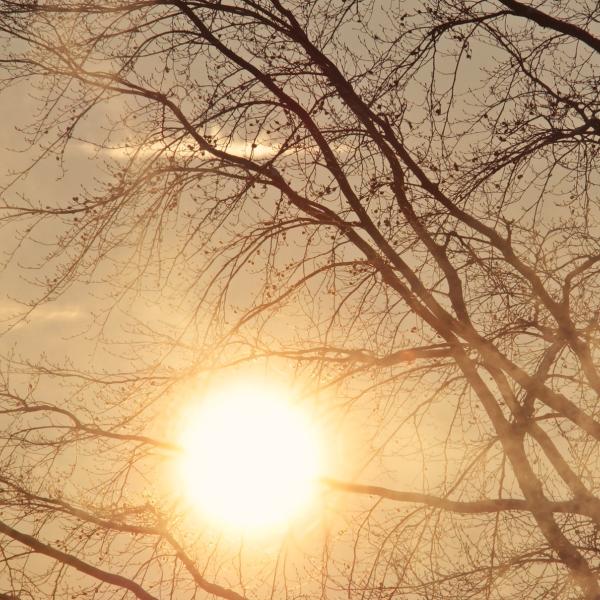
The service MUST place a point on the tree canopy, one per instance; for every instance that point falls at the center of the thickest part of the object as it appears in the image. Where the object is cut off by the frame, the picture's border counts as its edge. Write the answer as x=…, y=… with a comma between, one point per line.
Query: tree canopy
x=392, y=204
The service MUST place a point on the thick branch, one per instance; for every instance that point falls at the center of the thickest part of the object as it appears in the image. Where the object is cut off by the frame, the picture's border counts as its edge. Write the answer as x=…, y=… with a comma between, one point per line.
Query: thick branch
x=468, y=508
x=76, y=563
x=544, y=20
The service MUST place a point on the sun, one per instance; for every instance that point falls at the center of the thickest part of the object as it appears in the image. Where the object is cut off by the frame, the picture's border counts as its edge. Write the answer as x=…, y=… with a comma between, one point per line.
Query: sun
x=251, y=458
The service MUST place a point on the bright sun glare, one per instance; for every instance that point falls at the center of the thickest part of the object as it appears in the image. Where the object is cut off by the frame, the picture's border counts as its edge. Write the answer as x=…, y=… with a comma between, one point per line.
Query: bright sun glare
x=251, y=458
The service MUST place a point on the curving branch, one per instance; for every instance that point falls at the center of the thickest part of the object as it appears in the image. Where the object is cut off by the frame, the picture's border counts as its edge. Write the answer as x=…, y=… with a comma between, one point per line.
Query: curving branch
x=549, y=22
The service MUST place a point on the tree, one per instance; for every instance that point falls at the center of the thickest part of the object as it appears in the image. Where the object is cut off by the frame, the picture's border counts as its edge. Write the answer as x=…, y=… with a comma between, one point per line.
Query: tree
x=397, y=199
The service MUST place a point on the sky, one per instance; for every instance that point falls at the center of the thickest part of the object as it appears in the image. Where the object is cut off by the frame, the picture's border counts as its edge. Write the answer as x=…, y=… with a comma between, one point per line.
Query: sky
x=114, y=338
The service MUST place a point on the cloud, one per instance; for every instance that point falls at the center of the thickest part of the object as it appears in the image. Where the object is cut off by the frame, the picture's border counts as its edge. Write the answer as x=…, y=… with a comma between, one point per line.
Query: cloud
x=241, y=149
x=17, y=315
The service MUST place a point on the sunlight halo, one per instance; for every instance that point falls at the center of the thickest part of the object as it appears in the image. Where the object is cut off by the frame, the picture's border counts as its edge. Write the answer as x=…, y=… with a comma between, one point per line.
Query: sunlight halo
x=251, y=457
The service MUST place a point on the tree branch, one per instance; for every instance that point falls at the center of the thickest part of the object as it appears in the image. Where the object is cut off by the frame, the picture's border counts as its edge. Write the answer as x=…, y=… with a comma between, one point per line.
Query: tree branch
x=544, y=20
x=76, y=563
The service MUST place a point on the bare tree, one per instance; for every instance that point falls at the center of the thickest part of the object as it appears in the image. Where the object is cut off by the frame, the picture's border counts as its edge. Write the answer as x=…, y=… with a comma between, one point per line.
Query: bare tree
x=399, y=199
